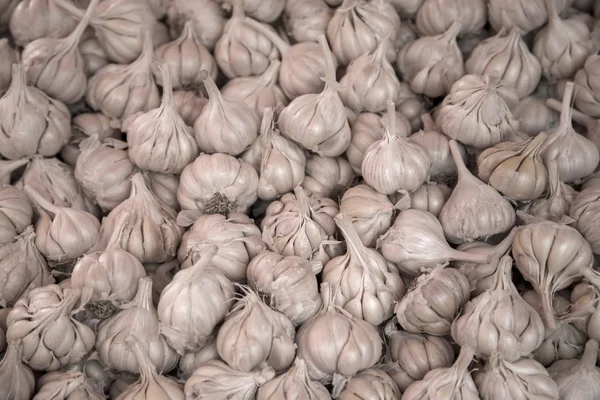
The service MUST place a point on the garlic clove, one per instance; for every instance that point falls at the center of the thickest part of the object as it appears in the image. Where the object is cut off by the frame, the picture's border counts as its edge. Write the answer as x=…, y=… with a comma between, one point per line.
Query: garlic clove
x=306, y=20
x=435, y=16
x=328, y=176
x=430, y=197
x=63, y=385
x=578, y=378
x=94, y=55
x=35, y=19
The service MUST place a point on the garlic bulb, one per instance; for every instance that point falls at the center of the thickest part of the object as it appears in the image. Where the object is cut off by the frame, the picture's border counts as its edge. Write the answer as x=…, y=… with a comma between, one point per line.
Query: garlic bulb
x=515, y=169
x=142, y=225
x=189, y=105
x=111, y=277
x=526, y=15
x=566, y=342
x=121, y=90
x=370, y=81
x=583, y=301
x=358, y=26
x=335, y=343
x=121, y=384
x=94, y=55
x=317, y=121
x=414, y=355
x=587, y=79
x=522, y=379
x=534, y=115
x=161, y=275
x=67, y=386
x=578, y=379
x=430, y=197
x=417, y=240
x=490, y=213
x=189, y=362
x=216, y=380
x=585, y=212
x=435, y=16
x=288, y=283
x=294, y=383
x=140, y=320
x=301, y=225
x=265, y=11
x=254, y=334
x=405, y=165
x=186, y=56
x=207, y=16
x=577, y=157
x=258, y=92
x=23, y=268
x=305, y=20
x=412, y=106
x=217, y=183
x=8, y=57
x=83, y=126
x=507, y=53
x=367, y=286
x=327, y=176
x=33, y=122
x=407, y=8
x=431, y=64
x=477, y=111
x=563, y=45
x=67, y=234
x=188, y=329
x=17, y=380
x=370, y=383
x=453, y=382
x=34, y=19
x=16, y=213
x=159, y=140
x=370, y=211
x=237, y=238
x=43, y=322
x=226, y=125
x=165, y=187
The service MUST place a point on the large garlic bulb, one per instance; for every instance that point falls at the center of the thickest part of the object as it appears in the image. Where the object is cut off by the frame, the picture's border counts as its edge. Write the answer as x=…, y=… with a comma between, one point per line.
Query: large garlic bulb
x=67, y=386
x=370, y=383
x=16, y=213
x=34, y=19
x=17, y=380
x=436, y=16
x=294, y=383
x=526, y=15
x=305, y=20
x=578, y=379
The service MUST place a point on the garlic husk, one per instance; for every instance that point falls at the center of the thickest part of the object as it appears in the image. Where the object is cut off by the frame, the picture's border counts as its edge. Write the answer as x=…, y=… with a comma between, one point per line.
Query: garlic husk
x=18, y=382
x=318, y=122
x=227, y=124
x=413, y=355
x=294, y=383
x=56, y=66
x=335, y=343
x=591, y=125
x=142, y=225
x=576, y=155
x=372, y=383
x=139, y=319
x=301, y=225
x=188, y=329
x=218, y=183
x=366, y=285
x=507, y=53
x=207, y=16
x=534, y=115
x=254, y=335
x=186, y=56
x=453, y=382
x=417, y=240
x=436, y=16
x=216, y=380
x=587, y=79
x=288, y=284
x=237, y=238
x=94, y=55
x=370, y=81
x=120, y=90
x=16, y=213
x=431, y=64
x=563, y=45
x=525, y=15
x=67, y=234
x=327, y=176
x=366, y=130
x=159, y=140
x=38, y=124
x=306, y=20
x=578, y=379
x=35, y=19
x=430, y=197
x=51, y=337
x=358, y=26
x=189, y=362
x=104, y=171
x=67, y=386
x=490, y=212
x=83, y=126
x=370, y=211
x=477, y=111
x=515, y=169
x=584, y=210
x=521, y=379
x=23, y=268
x=8, y=57
x=189, y=105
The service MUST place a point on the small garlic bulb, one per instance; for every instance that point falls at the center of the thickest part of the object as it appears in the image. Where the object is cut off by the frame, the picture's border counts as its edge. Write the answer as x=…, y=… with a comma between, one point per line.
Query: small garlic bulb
x=83, y=126
x=430, y=197
x=207, y=16
x=431, y=64
x=38, y=124
x=186, y=56
x=584, y=211
x=370, y=81
x=563, y=45
x=189, y=105
x=17, y=380
x=67, y=386
x=8, y=57
x=305, y=20
x=525, y=15
x=295, y=383
x=436, y=16
x=370, y=383
x=587, y=79
x=477, y=111
x=51, y=337
x=507, y=53
x=317, y=121
x=35, y=19
x=217, y=183
x=16, y=213
x=578, y=379
x=335, y=343
x=327, y=176
x=534, y=115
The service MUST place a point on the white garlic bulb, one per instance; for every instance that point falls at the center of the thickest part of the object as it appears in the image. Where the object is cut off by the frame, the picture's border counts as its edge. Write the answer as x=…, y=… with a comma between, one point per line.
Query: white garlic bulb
x=430, y=197
x=435, y=16
x=578, y=379
x=67, y=386
x=305, y=20
x=294, y=383
x=34, y=19
x=18, y=382
x=207, y=16
x=534, y=115
x=327, y=176
x=16, y=213
x=189, y=362
x=525, y=15
x=370, y=383
x=587, y=80
x=8, y=57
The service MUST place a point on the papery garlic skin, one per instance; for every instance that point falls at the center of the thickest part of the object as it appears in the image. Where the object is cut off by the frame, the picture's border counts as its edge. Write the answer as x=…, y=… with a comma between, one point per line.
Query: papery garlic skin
x=430, y=197
x=327, y=176
x=16, y=213
x=525, y=15
x=370, y=383
x=189, y=362
x=34, y=19
x=294, y=383
x=585, y=211
x=534, y=115
x=207, y=16
x=305, y=20
x=18, y=382
x=83, y=126
x=189, y=105
x=587, y=80
x=435, y=16
x=578, y=379
x=67, y=386
x=8, y=57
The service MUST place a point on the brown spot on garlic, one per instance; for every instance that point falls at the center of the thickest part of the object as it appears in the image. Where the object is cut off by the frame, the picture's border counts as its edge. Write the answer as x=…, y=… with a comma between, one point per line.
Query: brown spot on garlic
x=17, y=380
x=436, y=16
x=306, y=20
x=207, y=16
x=35, y=19
x=8, y=57
x=16, y=213
x=578, y=379
x=294, y=382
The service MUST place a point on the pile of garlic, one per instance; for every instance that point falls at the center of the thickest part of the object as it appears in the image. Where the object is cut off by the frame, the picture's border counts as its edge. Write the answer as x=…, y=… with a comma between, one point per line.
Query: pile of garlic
x=299, y=199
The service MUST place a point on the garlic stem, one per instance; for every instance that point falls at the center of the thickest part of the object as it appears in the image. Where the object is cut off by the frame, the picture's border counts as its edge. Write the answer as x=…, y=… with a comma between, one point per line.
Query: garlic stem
x=277, y=41
x=590, y=354
x=475, y=258
x=269, y=77
x=206, y=257
x=138, y=184
x=145, y=364
x=238, y=10
x=503, y=276
x=505, y=245
x=548, y=309
x=463, y=171
x=464, y=359
x=145, y=58
x=353, y=241
x=329, y=65
x=576, y=115
x=428, y=123
x=381, y=50
x=565, y=111
x=41, y=200
x=390, y=132
x=452, y=31
x=302, y=201
x=83, y=23
x=554, y=178
x=167, y=101
x=19, y=79
x=592, y=276
x=553, y=16
x=212, y=90
x=328, y=296
x=348, y=5
x=266, y=127
x=143, y=297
